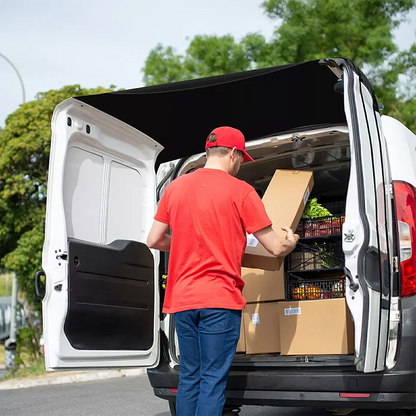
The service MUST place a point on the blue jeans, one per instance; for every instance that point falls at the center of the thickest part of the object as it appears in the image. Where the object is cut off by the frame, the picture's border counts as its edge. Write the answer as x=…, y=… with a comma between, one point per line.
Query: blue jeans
x=207, y=344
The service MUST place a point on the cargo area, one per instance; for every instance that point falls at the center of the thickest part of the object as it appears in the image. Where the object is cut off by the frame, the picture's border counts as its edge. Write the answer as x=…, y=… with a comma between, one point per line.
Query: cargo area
x=296, y=309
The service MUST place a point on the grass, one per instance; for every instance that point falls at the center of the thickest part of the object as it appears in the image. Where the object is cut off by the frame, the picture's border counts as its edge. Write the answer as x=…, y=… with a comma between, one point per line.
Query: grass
x=36, y=369
x=30, y=370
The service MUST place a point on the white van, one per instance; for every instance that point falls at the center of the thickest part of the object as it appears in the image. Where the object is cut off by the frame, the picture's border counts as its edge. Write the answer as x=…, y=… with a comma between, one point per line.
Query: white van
x=104, y=287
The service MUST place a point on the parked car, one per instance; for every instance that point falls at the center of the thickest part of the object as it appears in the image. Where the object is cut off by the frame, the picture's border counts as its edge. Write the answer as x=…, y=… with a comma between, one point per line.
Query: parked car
x=104, y=287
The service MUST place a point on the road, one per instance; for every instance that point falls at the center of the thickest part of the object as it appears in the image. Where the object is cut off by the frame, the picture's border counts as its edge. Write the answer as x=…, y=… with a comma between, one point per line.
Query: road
x=128, y=396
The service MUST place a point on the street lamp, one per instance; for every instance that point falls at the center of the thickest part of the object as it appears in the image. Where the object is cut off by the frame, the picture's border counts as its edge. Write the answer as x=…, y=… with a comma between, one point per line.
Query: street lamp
x=17, y=72
x=10, y=344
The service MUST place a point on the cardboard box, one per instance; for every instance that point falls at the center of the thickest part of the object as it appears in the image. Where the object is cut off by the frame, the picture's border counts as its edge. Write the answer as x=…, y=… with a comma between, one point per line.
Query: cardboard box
x=315, y=327
x=263, y=285
x=241, y=345
x=261, y=325
x=285, y=199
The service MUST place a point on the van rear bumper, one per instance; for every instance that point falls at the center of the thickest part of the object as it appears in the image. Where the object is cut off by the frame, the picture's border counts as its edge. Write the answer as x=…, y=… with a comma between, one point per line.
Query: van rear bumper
x=321, y=399
x=393, y=390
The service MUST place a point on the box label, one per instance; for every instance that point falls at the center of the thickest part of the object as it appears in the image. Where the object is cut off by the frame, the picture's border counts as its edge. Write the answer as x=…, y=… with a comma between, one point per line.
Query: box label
x=255, y=319
x=252, y=241
x=292, y=311
x=306, y=196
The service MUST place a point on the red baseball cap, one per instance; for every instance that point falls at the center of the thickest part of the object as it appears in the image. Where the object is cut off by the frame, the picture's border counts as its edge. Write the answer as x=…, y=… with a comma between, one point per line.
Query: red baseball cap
x=229, y=137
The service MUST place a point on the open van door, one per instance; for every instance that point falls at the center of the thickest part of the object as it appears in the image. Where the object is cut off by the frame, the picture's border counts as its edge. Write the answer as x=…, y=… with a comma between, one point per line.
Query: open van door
x=367, y=232
x=101, y=306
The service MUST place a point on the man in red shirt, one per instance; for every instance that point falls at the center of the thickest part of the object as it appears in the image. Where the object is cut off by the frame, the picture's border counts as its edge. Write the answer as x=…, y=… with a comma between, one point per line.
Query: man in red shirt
x=209, y=212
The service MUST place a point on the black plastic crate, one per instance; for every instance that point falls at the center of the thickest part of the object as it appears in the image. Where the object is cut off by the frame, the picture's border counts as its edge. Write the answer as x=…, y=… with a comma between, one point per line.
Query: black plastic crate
x=335, y=207
x=320, y=227
x=308, y=289
x=316, y=256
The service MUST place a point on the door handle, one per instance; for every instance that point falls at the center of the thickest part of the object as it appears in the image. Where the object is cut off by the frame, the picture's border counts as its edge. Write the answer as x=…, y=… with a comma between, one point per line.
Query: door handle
x=353, y=286
x=39, y=292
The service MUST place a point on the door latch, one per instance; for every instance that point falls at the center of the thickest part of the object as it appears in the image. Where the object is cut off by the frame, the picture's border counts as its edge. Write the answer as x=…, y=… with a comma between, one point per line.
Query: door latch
x=62, y=256
x=349, y=236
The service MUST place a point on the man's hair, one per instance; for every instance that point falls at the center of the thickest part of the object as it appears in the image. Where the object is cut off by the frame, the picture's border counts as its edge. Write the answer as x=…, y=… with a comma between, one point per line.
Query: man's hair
x=219, y=150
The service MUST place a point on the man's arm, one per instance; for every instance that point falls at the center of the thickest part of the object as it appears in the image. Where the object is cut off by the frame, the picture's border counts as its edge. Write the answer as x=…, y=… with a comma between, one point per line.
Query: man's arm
x=158, y=238
x=275, y=244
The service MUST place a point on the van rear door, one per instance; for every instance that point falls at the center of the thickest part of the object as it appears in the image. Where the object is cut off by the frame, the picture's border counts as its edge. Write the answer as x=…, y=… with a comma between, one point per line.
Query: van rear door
x=101, y=304
x=367, y=232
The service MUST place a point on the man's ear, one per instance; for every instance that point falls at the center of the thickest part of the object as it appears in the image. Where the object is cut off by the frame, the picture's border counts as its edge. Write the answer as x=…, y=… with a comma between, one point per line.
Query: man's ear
x=233, y=152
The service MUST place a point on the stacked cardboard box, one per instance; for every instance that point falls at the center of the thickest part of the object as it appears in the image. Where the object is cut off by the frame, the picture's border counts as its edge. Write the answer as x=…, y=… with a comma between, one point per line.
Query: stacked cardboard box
x=263, y=274
x=270, y=324
x=262, y=289
x=285, y=199
x=315, y=327
x=263, y=285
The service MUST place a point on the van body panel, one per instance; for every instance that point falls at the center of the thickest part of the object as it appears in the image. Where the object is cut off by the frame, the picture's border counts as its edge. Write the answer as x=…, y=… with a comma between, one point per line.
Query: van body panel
x=368, y=217
x=304, y=388
x=101, y=278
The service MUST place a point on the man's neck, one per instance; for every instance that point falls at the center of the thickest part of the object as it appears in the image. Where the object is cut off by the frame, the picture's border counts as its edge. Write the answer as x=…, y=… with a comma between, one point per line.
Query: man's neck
x=217, y=163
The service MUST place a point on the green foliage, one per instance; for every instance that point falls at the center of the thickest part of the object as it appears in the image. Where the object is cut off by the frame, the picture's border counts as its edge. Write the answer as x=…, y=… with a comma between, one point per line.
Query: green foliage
x=24, y=157
x=6, y=283
x=307, y=30
x=206, y=56
x=28, y=347
x=356, y=29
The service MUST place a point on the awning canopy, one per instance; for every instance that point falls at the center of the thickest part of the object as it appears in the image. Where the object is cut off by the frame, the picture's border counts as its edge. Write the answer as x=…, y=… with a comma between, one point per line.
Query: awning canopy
x=260, y=103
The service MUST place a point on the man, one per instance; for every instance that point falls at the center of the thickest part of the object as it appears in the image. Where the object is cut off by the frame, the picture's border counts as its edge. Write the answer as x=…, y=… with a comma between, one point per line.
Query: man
x=209, y=212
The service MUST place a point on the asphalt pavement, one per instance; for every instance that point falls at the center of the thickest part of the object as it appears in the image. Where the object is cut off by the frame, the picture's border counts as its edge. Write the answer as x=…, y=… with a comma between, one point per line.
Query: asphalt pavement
x=123, y=396
x=126, y=396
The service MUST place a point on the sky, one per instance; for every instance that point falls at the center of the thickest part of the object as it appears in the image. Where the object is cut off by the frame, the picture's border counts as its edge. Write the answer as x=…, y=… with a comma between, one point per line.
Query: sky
x=54, y=43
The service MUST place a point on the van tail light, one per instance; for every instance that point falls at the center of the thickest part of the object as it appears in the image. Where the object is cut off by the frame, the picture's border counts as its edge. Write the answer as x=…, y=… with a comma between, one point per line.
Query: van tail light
x=405, y=201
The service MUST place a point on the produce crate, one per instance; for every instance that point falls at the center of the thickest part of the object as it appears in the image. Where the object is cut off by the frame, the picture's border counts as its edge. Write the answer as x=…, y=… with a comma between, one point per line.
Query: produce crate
x=320, y=227
x=310, y=289
x=316, y=257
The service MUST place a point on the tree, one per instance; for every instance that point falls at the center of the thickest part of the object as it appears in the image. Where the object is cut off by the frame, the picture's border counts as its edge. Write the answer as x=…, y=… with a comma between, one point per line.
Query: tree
x=307, y=30
x=24, y=157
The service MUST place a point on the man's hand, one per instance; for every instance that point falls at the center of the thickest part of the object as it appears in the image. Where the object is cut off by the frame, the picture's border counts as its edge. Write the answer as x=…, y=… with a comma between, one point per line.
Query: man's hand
x=290, y=236
x=275, y=244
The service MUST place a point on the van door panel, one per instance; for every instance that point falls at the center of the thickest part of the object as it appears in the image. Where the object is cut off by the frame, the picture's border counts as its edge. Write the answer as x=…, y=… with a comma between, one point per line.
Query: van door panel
x=370, y=179
x=110, y=290
x=101, y=304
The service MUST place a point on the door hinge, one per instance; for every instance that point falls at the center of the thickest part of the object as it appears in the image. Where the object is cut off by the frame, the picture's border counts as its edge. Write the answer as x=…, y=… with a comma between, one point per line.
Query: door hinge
x=391, y=191
x=395, y=264
x=395, y=316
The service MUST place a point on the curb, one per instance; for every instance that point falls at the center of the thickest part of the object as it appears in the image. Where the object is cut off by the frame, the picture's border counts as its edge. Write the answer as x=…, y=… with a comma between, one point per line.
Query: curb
x=69, y=377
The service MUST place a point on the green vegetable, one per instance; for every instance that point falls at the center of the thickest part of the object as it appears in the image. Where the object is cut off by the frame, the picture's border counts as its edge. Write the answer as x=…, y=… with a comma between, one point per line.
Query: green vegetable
x=315, y=210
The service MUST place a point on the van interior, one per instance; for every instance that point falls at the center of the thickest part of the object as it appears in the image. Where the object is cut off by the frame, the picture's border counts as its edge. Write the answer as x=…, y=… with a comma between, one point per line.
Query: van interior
x=326, y=152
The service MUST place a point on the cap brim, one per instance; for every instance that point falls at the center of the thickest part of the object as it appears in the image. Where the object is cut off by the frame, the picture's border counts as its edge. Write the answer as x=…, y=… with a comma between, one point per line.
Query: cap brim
x=247, y=157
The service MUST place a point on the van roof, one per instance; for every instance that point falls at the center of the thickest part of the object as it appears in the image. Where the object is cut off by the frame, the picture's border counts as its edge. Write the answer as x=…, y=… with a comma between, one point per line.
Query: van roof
x=260, y=103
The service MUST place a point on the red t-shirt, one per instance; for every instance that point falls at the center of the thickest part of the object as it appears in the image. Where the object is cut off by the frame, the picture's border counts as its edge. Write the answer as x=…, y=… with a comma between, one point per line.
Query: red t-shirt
x=209, y=212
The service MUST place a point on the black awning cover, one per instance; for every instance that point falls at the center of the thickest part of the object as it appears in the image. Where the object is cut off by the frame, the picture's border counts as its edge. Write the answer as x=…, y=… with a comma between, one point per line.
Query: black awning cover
x=260, y=103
